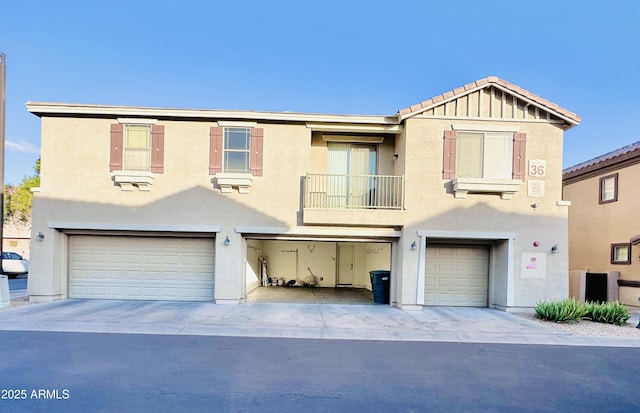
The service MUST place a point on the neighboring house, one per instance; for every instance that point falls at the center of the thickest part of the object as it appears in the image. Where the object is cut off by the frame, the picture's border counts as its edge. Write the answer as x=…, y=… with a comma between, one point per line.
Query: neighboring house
x=459, y=196
x=604, y=236
x=16, y=237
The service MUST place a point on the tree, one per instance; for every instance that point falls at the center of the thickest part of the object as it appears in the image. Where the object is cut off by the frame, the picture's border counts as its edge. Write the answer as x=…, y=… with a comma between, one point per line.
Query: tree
x=18, y=200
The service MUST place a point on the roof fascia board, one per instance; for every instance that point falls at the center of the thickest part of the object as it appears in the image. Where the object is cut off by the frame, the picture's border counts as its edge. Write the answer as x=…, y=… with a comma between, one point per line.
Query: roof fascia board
x=39, y=109
x=441, y=102
x=326, y=127
x=604, y=167
x=453, y=118
x=534, y=103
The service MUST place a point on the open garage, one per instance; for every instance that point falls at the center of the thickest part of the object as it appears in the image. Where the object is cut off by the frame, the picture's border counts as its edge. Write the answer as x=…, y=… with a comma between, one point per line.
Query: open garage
x=324, y=271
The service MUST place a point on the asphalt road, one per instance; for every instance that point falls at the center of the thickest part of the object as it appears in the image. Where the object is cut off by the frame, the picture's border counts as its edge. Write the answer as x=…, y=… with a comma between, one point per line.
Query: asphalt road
x=72, y=372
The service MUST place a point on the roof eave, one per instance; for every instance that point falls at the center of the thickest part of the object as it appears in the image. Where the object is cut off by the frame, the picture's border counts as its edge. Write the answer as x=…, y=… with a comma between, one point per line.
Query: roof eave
x=47, y=108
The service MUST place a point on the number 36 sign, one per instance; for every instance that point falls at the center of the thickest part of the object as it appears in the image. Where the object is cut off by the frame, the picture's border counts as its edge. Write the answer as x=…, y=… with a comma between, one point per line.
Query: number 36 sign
x=537, y=167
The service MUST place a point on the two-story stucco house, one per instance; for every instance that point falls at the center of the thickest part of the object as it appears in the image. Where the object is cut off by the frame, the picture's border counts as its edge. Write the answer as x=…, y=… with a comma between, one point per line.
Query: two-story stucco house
x=459, y=196
x=603, y=235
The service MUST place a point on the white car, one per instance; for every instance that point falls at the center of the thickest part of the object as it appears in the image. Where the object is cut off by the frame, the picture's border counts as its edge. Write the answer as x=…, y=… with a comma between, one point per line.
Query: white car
x=13, y=264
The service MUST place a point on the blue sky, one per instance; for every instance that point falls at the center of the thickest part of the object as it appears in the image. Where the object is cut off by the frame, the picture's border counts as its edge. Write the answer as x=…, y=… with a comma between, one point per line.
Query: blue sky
x=357, y=57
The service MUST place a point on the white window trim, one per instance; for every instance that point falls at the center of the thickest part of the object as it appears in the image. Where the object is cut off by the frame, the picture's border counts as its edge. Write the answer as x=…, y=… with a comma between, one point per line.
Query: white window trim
x=127, y=180
x=484, y=128
x=236, y=124
x=227, y=181
x=136, y=121
x=505, y=187
x=353, y=139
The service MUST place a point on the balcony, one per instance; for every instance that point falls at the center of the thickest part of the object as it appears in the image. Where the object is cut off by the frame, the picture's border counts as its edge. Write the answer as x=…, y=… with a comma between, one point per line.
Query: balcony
x=353, y=199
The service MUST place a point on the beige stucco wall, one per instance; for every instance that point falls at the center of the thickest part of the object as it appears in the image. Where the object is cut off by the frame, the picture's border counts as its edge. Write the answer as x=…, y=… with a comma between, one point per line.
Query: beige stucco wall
x=79, y=189
x=430, y=205
x=593, y=227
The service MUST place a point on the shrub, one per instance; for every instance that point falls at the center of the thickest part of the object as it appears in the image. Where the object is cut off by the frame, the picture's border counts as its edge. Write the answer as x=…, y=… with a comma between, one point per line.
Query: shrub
x=561, y=311
x=610, y=313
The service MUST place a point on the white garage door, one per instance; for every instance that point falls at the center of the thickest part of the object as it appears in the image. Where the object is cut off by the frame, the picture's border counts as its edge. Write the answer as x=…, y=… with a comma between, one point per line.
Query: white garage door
x=457, y=276
x=141, y=268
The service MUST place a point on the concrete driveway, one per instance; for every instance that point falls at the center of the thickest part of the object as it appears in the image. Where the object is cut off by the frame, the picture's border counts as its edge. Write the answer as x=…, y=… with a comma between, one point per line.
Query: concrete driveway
x=317, y=321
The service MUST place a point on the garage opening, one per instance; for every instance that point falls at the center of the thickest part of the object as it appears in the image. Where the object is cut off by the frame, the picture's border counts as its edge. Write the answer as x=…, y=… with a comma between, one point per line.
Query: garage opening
x=309, y=271
x=457, y=275
x=141, y=267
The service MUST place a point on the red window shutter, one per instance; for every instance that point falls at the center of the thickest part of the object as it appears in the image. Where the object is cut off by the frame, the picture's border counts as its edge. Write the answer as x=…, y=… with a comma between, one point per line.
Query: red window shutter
x=255, y=156
x=157, y=149
x=519, y=155
x=115, y=157
x=215, y=150
x=449, y=155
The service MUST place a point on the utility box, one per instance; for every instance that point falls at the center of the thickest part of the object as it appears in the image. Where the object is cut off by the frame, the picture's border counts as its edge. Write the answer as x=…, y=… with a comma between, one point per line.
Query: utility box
x=595, y=287
x=5, y=296
x=584, y=286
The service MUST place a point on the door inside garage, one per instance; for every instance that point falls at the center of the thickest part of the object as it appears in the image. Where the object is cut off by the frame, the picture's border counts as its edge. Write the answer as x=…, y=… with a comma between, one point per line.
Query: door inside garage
x=141, y=267
x=457, y=275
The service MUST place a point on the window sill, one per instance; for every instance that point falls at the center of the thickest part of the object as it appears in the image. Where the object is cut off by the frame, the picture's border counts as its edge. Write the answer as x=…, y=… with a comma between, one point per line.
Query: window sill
x=127, y=180
x=227, y=181
x=505, y=187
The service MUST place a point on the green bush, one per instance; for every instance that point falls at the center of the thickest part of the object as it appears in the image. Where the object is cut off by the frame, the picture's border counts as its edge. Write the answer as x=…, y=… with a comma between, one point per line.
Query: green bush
x=610, y=313
x=561, y=311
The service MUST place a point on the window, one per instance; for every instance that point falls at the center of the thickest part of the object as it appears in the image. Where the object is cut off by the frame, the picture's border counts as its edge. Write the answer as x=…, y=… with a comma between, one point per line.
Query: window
x=137, y=148
x=235, y=156
x=350, y=170
x=621, y=253
x=484, y=155
x=484, y=161
x=609, y=189
x=136, y=153
x=236, y=150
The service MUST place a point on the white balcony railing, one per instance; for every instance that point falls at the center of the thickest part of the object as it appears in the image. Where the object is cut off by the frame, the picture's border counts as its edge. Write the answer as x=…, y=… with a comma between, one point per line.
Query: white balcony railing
x=326, y=191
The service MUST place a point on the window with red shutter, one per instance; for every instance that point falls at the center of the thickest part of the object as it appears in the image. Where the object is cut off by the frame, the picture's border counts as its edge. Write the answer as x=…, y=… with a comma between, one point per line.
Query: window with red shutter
x=157, y=149
x=484, y=161
x=255, y=156
x=519, y=155
x=235, y=150
x=136, y=153
x=115, y=161
x=449, y=155
x=215, y=150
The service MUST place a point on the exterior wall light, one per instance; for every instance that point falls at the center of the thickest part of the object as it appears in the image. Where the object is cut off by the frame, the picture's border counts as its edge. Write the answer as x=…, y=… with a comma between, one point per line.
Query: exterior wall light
x=226, y=241
x=414, y=246
x=40, y=236
x=554, y=249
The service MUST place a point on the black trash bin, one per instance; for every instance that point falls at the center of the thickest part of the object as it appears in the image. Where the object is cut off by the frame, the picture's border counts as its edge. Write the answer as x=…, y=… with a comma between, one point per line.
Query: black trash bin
x=380, y=282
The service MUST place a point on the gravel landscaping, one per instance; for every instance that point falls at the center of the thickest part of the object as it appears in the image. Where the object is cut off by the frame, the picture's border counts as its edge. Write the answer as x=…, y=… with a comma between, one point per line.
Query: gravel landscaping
x=592, y=329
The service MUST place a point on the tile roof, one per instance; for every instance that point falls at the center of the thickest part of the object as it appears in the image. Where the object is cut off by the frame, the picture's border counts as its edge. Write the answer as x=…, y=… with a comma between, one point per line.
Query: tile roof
x=624, y=153
x=486, y=82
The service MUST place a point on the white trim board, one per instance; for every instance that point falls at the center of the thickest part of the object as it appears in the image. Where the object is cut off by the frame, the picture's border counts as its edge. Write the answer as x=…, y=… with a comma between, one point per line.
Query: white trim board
x=104, y=226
